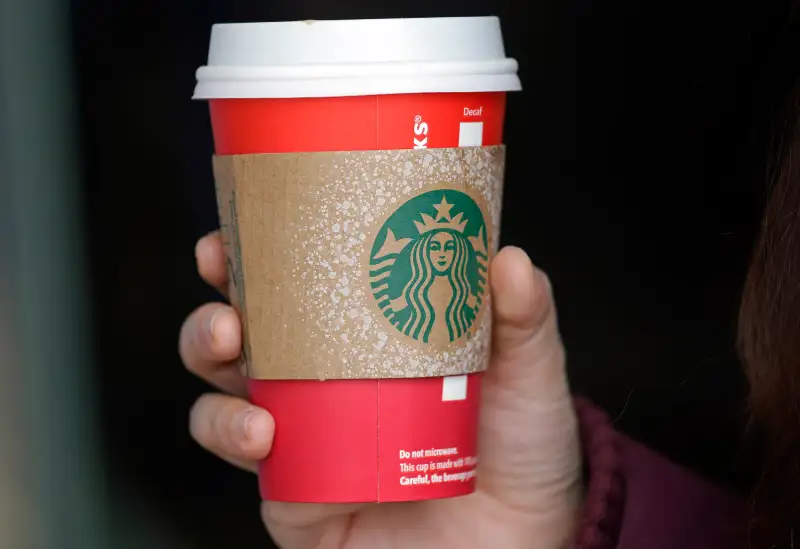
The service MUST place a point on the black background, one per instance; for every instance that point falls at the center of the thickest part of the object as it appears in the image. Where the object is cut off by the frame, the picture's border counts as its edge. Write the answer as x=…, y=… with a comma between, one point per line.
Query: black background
x=635, y=179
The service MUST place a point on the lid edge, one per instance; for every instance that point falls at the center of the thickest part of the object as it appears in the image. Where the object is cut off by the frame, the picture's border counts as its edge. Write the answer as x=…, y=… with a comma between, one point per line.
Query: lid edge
x=353, y=87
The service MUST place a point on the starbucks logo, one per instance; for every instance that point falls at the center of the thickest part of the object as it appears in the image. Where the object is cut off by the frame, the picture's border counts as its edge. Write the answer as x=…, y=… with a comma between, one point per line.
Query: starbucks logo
x=428, y=266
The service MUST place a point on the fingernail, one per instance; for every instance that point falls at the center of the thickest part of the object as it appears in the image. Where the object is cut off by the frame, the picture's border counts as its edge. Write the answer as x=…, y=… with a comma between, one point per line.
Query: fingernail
x=212, y=325
x=545, y=280
x=243, y=425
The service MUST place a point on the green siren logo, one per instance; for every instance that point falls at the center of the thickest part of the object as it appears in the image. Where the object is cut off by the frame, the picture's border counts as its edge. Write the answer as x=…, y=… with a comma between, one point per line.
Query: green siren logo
x=428, y=266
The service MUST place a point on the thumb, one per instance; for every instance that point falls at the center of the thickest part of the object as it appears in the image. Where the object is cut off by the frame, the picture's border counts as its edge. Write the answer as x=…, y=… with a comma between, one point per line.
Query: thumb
x=530, y=457
x=527, y=354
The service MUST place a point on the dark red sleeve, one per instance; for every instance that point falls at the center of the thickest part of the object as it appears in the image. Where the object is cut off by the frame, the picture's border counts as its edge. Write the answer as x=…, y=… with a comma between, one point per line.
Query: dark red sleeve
x=604, y=499
x=635, y=498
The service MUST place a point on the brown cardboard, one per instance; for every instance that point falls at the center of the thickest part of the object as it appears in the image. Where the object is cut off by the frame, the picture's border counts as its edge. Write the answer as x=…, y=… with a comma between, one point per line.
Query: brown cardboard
x=229, y=227
x=367, y=264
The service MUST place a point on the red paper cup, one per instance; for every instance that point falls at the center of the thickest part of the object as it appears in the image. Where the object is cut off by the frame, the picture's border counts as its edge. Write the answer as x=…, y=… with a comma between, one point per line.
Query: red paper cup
x=370, y=440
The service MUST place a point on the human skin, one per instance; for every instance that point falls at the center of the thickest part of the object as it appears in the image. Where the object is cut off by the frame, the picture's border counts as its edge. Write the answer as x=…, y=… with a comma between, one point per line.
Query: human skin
x=529, y=478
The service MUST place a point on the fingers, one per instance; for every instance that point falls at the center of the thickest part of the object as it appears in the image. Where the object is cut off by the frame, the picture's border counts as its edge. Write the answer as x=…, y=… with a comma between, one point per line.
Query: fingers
x=211, y=265
x=529, y=448
x=210, y=344
x=233, y=429
x=527, y=349
x=300, y=525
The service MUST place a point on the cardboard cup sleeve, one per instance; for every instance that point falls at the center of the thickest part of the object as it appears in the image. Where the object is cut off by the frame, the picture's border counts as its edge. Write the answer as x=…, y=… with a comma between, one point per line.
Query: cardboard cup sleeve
x=362, y=265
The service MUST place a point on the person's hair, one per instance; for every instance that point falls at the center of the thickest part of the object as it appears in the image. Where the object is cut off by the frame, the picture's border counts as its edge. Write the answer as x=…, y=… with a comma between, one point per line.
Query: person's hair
x=769, y=342
x=769, y=327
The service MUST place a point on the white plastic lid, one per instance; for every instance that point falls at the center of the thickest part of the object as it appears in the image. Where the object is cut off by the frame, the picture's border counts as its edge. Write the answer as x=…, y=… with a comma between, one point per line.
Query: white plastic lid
x=356, y=57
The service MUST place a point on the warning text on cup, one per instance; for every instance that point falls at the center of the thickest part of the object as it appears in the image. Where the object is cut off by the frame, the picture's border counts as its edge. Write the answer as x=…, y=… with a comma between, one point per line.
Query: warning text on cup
x=435, y=466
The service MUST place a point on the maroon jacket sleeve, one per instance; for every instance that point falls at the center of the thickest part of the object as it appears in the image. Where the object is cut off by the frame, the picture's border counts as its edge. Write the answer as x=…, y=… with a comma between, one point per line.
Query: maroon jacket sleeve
x=637, y=499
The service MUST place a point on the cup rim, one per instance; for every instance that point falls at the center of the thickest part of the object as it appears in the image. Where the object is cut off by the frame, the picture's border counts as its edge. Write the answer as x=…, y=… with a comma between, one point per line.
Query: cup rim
x=328, y=58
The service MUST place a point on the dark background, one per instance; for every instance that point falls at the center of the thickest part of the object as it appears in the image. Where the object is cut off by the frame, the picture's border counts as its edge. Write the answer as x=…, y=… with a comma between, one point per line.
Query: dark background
x=636, y=178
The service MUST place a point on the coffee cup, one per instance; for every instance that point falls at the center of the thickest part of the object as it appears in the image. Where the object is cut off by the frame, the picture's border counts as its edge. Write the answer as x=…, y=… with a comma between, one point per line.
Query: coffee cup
x=359, y=178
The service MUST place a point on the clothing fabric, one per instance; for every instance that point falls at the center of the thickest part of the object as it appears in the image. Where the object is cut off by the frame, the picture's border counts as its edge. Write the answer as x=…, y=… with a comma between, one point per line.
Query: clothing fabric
x=637, y=499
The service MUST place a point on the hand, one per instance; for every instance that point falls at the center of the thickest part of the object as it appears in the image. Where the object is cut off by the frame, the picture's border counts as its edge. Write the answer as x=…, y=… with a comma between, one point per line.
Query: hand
x=528, y=483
